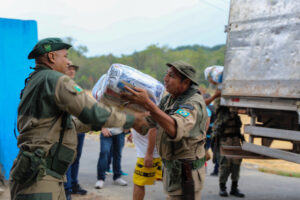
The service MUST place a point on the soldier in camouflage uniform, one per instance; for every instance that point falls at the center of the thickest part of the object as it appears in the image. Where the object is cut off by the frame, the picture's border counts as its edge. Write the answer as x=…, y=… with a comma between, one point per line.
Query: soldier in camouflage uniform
x=48, y=139
x=227, y=130
x=181, y=119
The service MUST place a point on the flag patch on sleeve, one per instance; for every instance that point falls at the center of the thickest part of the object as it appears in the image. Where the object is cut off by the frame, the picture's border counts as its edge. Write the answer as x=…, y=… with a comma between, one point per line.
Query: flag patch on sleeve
x=182, y=112
x=77, y=88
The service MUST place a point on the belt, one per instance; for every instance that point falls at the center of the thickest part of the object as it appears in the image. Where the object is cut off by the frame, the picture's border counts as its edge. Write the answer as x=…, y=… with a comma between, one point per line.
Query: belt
x=195, y=164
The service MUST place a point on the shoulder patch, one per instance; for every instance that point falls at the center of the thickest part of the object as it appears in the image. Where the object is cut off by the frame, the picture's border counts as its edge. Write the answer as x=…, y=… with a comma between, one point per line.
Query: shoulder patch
x=77, y=88
x=182, y=112
x=187, y=106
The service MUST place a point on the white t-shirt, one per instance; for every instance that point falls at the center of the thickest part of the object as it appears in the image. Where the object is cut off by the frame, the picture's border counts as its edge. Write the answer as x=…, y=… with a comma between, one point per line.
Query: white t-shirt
x=141, y=145
x=115, y=131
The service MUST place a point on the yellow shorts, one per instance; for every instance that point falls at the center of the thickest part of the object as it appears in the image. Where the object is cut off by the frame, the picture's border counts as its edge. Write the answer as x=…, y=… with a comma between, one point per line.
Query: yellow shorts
x=147, y=176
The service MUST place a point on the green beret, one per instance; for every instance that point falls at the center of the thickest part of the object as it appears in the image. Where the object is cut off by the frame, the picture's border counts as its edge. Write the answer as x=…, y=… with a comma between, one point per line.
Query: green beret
x=47, y=45
x=185, y=69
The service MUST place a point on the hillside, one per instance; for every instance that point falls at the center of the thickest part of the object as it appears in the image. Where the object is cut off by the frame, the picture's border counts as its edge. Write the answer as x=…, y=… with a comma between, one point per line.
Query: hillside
x=152, y=61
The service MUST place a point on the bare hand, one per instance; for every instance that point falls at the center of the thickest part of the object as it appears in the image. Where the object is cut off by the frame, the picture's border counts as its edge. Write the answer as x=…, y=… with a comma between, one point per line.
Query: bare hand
x=138, y=96
x=106, y=132
x=148, y=161
x=207, y=156
x=129, y=138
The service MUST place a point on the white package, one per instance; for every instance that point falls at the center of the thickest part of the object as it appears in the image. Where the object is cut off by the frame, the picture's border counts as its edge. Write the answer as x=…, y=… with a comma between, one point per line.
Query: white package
x=215, y=73
x=109, y=86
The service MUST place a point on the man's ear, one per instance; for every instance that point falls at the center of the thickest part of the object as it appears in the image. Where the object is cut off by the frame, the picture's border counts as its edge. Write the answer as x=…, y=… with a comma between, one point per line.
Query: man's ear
x=186, y=82
x=51, y=56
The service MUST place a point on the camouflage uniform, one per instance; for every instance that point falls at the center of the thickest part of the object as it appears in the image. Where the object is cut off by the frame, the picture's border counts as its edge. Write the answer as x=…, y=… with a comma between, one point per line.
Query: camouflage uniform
x=227, y=129
x=48, y=139
x=189, y=112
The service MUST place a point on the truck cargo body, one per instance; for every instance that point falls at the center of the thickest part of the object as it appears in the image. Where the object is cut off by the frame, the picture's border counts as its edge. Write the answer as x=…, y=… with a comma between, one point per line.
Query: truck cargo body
x=262, y=70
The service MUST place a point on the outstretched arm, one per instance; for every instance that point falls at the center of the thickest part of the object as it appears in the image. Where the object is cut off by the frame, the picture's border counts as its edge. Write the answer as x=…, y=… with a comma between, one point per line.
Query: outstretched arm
x=213, y=97
x=140, y=96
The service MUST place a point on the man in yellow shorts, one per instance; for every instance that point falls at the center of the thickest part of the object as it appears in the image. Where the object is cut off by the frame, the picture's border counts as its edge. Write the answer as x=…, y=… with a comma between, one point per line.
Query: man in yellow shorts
x=148, y=167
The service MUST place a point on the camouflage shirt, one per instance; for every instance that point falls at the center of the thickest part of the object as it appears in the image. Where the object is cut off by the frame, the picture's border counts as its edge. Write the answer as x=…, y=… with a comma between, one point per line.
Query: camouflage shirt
x=189, y=113
x=47, y=96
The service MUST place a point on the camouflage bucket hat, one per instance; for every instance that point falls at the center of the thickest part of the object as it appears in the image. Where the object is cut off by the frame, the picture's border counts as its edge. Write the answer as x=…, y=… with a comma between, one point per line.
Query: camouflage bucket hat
x=76, y=67
x=185, y=69
x=47, y=45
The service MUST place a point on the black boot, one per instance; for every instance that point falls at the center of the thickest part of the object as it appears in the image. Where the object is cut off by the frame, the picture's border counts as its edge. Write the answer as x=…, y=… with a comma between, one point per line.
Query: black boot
x=235, y=191
x=223, y=192
x=68, y=195
x=76, y=189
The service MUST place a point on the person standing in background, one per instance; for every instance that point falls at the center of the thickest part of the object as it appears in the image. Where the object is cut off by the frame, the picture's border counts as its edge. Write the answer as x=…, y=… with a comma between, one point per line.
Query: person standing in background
x=110, y=137
x=226, y=131
x=209, y=139
x=72, y=186
x=149, y=164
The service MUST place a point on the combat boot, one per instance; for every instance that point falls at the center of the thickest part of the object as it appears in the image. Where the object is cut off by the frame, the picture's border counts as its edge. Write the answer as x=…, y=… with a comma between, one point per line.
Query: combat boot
x=223, y=192
x=235, y=191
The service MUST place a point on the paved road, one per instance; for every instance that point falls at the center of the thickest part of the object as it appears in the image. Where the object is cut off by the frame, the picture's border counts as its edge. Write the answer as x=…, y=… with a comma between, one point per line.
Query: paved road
x=256, y=185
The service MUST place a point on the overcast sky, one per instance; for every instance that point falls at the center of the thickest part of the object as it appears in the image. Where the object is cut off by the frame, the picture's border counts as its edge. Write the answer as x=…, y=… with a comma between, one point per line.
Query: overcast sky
x=124, y=26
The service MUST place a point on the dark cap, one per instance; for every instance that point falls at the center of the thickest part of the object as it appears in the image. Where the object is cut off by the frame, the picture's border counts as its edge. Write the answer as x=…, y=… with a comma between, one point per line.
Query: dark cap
x=185, y=69
x=47, y=45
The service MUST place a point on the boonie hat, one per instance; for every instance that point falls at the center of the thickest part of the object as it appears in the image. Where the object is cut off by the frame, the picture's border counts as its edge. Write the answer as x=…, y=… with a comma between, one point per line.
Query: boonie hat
x=185, y=69
x=47, y=45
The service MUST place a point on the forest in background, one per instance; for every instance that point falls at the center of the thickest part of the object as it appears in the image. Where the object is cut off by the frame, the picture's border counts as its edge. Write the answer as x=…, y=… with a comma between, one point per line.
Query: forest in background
x=151, y=61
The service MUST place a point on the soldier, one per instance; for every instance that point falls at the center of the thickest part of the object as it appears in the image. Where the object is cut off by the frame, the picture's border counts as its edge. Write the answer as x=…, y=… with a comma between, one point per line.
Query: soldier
x=181, y=118
x=48, y=139
x=226, y=132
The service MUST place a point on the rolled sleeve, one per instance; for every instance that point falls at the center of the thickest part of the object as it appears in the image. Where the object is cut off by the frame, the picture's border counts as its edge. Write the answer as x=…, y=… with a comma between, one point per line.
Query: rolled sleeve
x=184, y=123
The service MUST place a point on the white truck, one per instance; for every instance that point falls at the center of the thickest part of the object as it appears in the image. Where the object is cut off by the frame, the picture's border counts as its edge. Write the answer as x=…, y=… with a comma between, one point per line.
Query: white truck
x=262, y=75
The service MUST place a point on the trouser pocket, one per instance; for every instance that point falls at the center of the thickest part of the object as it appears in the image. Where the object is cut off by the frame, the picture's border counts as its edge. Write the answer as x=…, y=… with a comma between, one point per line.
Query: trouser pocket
x=30, y=166
x=173, y=176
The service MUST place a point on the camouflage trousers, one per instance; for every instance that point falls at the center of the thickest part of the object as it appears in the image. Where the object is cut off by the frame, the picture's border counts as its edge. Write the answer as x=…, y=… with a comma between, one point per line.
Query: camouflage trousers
x=229, y=166
x=48, y=188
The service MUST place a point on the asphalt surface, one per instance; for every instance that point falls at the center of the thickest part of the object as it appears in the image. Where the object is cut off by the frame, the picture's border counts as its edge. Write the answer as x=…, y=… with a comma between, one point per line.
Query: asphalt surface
x=256, y=185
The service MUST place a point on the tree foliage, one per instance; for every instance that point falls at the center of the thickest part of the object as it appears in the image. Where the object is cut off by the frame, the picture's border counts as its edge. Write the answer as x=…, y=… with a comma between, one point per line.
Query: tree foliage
x=151, y=61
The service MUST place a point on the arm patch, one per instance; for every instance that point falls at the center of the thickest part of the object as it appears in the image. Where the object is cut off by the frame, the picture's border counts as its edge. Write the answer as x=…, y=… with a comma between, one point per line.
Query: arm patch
x=187, y=106
x=182, y=112
x=77, y=88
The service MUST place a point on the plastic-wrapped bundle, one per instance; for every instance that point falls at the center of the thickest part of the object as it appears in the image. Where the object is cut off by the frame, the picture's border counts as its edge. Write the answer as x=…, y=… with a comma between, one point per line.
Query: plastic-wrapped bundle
x=215, y=73
x=109, y=86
